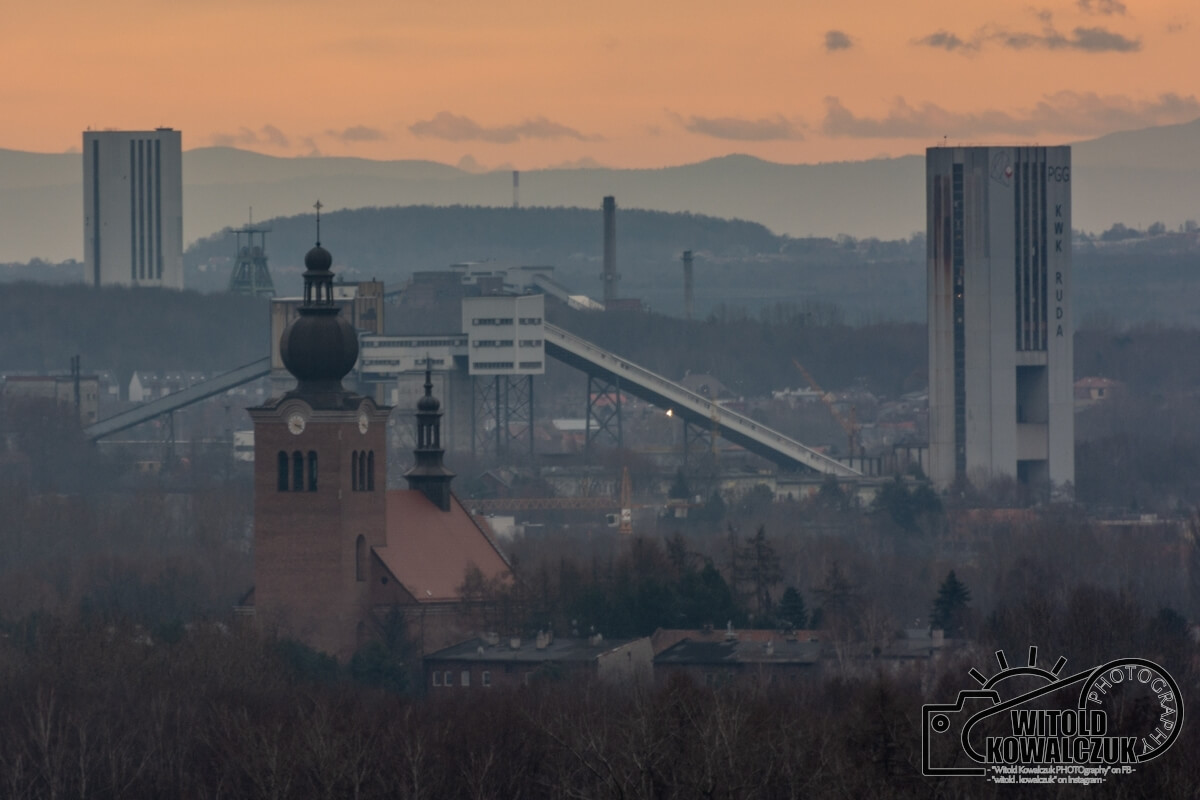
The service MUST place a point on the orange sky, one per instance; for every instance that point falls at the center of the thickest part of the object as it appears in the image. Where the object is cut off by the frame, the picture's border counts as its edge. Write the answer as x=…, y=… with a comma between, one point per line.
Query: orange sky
x=537, y=83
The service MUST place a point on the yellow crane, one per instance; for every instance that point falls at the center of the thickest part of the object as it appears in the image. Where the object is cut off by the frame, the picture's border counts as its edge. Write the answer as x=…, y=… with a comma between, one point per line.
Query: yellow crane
x=849, y=424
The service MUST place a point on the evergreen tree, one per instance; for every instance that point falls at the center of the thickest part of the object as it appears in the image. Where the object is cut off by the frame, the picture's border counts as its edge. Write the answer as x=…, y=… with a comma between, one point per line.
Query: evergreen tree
x=679, y=487
x=705, y=599
x=949, y=609
x=756, y=570
x=792, y=610
x=841, y=603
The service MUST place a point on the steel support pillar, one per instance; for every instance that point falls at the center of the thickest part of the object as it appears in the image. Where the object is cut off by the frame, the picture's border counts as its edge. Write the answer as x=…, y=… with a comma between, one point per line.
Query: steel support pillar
x=604, y=409
x=502, y=422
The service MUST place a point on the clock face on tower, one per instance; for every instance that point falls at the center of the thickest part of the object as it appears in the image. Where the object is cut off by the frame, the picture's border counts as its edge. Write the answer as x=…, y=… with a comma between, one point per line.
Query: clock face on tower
x=363, y=422
x=295, y=423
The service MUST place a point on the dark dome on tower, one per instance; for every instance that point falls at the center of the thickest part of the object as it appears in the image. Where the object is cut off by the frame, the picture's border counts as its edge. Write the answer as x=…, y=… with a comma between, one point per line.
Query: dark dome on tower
x=319, y=347
x=428, y=403
x=317, y=259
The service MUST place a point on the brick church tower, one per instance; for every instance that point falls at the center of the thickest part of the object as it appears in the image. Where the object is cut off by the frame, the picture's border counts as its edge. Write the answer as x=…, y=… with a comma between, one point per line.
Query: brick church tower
x=320, y=482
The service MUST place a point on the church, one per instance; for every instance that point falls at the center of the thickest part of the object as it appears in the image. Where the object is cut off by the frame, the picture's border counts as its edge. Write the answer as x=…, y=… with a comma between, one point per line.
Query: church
x=335, y=552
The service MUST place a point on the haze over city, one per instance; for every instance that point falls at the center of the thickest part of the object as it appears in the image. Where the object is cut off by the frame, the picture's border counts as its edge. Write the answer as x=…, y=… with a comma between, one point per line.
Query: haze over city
x=536, y=84
x=662, y=400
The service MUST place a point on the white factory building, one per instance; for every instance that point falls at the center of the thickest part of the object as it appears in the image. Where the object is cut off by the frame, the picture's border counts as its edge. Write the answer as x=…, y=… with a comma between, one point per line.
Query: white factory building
x=133, y=208
x=1000, y=330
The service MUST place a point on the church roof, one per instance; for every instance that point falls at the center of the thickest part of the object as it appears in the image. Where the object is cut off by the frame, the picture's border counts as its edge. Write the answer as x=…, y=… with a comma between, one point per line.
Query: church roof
x=429, y=550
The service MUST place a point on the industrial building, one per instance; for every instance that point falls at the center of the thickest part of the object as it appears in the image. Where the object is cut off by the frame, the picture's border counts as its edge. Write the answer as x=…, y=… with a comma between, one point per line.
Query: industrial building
x=1000, y=332
x=133, y=208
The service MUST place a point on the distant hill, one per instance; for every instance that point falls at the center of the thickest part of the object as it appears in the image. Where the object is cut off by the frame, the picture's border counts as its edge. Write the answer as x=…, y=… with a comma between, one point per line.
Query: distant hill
x=738, y=263
x=1135, y=177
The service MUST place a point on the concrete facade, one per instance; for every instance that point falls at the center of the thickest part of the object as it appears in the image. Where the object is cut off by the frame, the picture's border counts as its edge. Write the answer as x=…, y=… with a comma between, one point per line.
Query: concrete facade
x=133, y=208
x=505, y=334
x=58, y=390
x=1000, y=326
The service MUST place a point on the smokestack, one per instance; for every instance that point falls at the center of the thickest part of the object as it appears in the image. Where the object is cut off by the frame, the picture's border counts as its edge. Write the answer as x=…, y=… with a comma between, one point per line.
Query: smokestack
x=610, y=276
x=688, y=299
x=516, y=188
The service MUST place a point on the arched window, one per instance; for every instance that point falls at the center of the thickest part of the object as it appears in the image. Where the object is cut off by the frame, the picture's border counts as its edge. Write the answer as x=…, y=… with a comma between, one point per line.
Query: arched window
x=360, y=558
x=312, y=470
x=371, y=471
x=362, y=470
x=354, y=471
x=283, y=471
x=297, y=472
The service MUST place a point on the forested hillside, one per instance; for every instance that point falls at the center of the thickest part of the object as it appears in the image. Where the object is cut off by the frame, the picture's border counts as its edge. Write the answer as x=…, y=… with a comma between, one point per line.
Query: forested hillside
x=737, y=262
x=42, y=326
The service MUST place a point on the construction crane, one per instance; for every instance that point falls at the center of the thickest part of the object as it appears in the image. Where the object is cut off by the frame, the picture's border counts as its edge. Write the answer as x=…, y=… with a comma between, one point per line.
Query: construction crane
x=849, y=424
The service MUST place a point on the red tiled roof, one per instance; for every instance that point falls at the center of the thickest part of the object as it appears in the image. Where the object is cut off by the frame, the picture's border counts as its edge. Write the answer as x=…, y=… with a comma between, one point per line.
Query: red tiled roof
x=429, y=550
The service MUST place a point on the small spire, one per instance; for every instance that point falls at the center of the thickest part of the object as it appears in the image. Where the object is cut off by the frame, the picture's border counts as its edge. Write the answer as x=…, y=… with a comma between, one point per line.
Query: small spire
x=318, y=206
x=429, y=475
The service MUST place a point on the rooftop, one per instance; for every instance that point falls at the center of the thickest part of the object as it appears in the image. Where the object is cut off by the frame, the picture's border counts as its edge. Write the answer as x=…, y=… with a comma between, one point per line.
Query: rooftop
x=430, y=550
x=565, y=649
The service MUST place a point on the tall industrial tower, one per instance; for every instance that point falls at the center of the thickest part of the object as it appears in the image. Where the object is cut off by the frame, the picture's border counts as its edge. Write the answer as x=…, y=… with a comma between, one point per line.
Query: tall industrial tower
x=133, y=208
x=688, y=292
x=250, y=274
x=1000, y=335
x=610, y=276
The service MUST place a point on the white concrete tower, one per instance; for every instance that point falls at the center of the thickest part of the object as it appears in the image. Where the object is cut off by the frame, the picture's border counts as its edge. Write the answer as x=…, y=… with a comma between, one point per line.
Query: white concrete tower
x=133, y=208
x=1000, y=331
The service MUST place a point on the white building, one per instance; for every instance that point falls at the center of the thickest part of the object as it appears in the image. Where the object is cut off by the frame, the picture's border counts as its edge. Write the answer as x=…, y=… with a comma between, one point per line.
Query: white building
x=133, y=208
x=1000, y=332
x=505, y=334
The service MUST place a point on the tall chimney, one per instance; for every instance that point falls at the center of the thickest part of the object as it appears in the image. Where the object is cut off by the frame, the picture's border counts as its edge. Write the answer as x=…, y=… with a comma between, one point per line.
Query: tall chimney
x=688, y=298
x=516, y=188
x=610, y=276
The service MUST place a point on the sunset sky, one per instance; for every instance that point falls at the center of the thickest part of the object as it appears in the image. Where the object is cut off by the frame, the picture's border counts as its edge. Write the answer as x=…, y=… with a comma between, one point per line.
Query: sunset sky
x=535, y=83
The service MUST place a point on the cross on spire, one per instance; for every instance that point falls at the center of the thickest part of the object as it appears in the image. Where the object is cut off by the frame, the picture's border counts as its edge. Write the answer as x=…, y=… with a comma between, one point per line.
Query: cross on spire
x=318, y=206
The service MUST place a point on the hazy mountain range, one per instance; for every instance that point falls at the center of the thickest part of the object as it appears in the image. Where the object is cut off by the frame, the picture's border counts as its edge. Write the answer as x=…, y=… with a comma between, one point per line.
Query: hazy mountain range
x=1133, y=177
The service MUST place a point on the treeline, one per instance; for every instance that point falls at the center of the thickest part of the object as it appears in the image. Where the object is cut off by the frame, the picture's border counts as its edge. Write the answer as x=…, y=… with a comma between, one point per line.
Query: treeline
x=108, y=712
x=752, y=355
x=69, y=271
x=391, y=243
x=120, y=329
x=42, y=326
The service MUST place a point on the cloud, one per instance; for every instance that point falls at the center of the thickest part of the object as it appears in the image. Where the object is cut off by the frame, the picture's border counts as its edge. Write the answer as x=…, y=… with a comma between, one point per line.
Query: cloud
x=743, y=130
x=274, y=136
x=1091, y=40
x=455, y=128
x=1105, y=7
x=945, y=40
x=1063, y=113
x=1088, y=40
x=310, y=144
x=837, y=40
x=468, y=164
x=358, y=133
x=245, y=137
